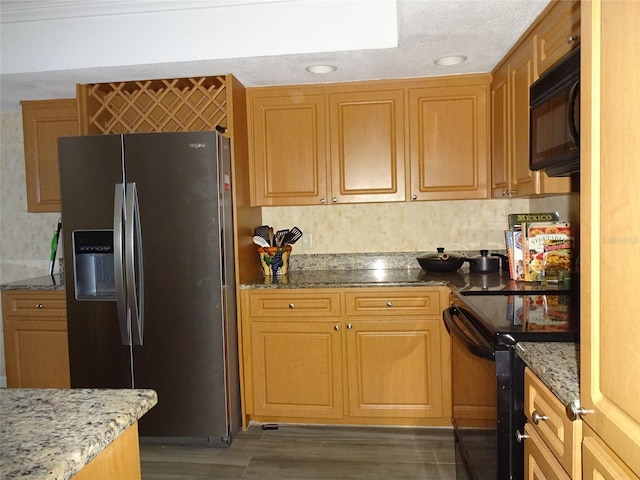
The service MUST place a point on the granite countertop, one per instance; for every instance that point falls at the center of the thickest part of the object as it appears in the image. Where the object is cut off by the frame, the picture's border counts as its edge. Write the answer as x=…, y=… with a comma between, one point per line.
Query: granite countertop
x=46, y=282
x=556, y=364
x=52, y=434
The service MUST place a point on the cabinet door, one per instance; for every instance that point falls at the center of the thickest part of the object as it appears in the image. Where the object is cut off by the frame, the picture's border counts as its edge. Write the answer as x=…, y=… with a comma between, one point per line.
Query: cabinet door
x=557, y=34
x=539, y=462
x=500, y=134
x=367, y=146
x=448, y=142
x=523, y=181
x=600, y=463
x=288, y=163
x=35, y=339
x=610, y=198
x=394, y=368
x=297, y=369
x=43, y=123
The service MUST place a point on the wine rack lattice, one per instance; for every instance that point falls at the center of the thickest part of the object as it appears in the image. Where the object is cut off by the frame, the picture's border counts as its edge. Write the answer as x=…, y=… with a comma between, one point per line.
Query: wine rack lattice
x=169, y=105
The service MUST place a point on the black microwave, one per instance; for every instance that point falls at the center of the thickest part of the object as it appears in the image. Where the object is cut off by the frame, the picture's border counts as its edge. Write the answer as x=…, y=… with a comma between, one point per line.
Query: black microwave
x=554, y=118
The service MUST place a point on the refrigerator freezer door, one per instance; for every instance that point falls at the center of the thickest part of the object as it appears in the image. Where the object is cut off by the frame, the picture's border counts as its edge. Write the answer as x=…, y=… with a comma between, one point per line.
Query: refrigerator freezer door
x=90, y=167
x=183, y=355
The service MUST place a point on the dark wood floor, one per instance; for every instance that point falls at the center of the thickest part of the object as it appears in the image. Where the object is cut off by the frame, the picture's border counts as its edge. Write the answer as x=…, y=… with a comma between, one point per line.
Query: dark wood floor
x=310, y=453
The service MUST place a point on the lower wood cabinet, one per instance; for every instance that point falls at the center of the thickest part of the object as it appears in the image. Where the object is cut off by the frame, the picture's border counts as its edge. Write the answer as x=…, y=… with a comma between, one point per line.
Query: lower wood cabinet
x=552, y=448
x=35, y=339
x=120, y=459
x=297, y=369
x=539, y=462
x=354, y=356
x=600, y=462
x=394, y=368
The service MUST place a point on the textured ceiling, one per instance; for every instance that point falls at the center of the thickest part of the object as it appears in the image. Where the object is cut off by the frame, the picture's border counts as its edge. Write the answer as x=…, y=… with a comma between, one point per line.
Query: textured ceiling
x=483, y=30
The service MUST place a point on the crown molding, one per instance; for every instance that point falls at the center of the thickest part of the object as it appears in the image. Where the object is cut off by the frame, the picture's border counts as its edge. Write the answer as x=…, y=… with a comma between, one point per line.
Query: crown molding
x=19, y=11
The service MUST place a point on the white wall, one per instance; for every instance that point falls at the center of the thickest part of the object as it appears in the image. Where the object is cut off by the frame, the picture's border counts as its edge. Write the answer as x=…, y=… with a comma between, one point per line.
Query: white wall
x=45, y=37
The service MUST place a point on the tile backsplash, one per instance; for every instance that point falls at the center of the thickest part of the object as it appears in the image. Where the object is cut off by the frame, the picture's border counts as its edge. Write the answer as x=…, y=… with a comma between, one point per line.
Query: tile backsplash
x=409, y=227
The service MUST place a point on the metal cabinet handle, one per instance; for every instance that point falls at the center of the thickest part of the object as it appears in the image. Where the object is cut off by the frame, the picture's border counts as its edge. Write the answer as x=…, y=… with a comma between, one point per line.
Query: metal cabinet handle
x=389, y=304
x=349, y=326
x=572, y=38
x=292, y=306
x=322, y=200
x=414, y=197
x=574, y=410
x=536, y=417
x=521, y=436
x=336, y=328
x=39, y=306
x=334, y=200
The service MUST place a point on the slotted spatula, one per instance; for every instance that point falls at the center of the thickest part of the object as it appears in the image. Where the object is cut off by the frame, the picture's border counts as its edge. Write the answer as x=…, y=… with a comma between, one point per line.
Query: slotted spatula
x=280, y=234
x=293, y=236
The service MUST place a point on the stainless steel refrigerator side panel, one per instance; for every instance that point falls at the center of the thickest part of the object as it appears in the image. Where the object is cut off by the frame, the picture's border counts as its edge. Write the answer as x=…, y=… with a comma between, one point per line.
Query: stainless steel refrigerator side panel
x=232, y=370
x=88, y=173
x=183, y=356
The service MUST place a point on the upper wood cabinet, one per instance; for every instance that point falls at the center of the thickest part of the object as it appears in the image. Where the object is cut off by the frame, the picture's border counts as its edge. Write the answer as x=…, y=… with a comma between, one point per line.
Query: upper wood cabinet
x=44, y=121
x=557, y=34
x=366, y=132
x=351, y=142
x=448, y=131
x=609, y=198
x=288, y=149
x=35, y=339
x=510, y=174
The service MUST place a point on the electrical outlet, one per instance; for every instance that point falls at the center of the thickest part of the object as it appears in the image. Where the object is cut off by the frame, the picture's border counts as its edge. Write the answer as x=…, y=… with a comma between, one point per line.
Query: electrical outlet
x=307, y=241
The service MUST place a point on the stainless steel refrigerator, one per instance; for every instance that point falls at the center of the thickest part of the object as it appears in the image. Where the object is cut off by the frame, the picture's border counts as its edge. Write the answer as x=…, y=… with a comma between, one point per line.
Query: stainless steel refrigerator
x=148, y=247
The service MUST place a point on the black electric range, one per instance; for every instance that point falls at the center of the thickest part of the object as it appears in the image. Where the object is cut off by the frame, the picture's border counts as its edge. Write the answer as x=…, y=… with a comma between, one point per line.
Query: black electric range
x=485, y=323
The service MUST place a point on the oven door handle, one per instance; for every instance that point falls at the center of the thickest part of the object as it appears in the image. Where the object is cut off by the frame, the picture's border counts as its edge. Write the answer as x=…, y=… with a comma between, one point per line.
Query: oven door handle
x=477, y=346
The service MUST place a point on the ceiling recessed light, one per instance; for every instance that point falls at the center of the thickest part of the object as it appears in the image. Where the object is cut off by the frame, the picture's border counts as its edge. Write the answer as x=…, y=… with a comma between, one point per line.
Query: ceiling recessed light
x=321, y=68
x=450, y=60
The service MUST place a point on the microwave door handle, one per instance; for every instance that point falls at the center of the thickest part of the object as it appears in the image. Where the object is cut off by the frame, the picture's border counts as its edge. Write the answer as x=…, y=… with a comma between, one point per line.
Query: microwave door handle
x=483, y=351
x=571, y=120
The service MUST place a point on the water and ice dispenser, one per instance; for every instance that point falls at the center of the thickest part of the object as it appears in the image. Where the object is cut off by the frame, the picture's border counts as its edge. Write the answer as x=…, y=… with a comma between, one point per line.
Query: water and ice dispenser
x=93, y=265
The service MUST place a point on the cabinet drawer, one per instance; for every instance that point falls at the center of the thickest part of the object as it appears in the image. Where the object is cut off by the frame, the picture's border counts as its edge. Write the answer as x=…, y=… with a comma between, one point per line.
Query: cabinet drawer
x=539, y=462
x=546, y=415
x=35, y=304
x=283, y=304
x=390, y=302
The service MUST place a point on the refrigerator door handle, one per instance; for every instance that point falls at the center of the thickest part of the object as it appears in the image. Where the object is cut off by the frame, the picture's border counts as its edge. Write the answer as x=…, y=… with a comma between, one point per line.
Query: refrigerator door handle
x=134, y=264
x=118, y=257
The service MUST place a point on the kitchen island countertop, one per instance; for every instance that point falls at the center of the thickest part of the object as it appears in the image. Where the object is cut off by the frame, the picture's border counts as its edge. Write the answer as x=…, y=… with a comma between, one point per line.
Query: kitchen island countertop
x=52, y=434
x=556, y=364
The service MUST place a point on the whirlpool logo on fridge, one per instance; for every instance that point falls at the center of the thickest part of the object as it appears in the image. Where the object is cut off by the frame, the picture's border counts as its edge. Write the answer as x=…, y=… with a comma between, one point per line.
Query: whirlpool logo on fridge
x=196, y=146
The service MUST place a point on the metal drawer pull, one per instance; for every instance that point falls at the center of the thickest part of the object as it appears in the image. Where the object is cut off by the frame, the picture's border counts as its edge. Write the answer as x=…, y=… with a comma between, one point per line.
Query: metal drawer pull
x=536, y=417
x=292, y=305
x=521, y=436
x=574, y=410
x=39, y=306
x=389, y=304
